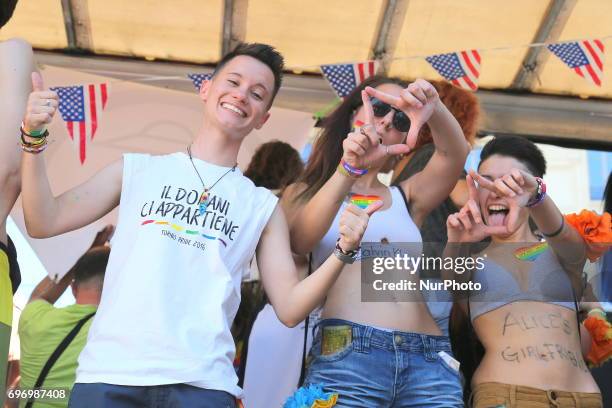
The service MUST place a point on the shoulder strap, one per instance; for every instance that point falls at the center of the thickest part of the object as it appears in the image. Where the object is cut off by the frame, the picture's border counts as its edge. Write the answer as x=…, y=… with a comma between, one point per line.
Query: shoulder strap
x=247, y=336
x=11, y=254
x=401, y=191
x=57, y=353
x=306, y=323
x=577, y=312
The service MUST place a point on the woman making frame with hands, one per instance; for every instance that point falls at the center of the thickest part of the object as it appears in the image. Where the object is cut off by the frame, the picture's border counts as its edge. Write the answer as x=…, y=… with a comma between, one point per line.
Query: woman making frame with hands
x=382, y=354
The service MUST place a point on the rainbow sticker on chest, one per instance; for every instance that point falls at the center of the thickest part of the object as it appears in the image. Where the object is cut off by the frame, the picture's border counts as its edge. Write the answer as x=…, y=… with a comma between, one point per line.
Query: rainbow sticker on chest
x=531, y=253
x=362, y=201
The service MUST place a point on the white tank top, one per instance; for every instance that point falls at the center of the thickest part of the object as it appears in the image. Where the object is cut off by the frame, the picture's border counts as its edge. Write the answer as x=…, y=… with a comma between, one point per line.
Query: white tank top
x=391, y=225
x=172, y=285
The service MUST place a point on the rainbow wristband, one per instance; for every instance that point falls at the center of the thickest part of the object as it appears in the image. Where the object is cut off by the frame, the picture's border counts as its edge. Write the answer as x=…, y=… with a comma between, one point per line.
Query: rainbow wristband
x=353, y=171
x=342, y=171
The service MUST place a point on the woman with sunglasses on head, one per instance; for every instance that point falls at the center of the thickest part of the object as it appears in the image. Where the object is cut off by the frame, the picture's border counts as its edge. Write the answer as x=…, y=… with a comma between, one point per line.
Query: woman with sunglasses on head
x=524, y=313
x=377, y=354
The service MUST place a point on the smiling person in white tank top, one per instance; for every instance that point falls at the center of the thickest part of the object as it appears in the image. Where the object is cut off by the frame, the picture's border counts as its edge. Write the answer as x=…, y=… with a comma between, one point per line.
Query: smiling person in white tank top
x=189, y=224
x=377, y=354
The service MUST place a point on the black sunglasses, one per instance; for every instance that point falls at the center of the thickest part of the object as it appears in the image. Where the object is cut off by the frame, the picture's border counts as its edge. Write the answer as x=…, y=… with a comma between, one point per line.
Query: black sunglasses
x=401, y=122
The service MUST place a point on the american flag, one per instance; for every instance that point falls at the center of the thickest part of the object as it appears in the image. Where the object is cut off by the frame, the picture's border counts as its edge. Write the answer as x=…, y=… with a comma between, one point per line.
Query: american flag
x=197, y=79
x=81, y=107
x=343, y=78
x=460, y=68
x=584, y=57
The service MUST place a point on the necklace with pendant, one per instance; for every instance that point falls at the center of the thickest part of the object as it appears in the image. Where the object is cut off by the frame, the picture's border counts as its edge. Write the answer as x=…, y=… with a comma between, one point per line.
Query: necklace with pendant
x=203, y=201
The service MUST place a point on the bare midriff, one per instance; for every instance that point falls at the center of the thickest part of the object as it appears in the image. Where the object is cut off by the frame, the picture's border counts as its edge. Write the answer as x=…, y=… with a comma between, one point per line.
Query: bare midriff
x=344, y=301
x=535, y=344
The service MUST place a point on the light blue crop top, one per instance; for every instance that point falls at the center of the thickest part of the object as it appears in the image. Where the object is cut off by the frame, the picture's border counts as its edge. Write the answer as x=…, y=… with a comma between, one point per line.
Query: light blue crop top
x=547, y=282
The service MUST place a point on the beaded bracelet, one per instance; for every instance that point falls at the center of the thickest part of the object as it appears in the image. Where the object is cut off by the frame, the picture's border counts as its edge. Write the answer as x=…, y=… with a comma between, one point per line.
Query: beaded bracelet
x=540, y=194
x=38, y=142
x=34, y=150
x=38, y=145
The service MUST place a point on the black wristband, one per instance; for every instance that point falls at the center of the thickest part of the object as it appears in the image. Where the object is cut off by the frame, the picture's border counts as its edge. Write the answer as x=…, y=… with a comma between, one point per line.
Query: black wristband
x=558, y=231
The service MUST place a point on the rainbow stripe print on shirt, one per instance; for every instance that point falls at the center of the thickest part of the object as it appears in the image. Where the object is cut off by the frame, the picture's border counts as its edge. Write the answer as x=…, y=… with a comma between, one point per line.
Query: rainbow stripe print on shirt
x=184, y=230
x=531, y=253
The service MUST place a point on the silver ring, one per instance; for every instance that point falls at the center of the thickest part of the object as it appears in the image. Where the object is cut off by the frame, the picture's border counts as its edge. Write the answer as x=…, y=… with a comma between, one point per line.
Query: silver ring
x=48, y=102
x=362, y=129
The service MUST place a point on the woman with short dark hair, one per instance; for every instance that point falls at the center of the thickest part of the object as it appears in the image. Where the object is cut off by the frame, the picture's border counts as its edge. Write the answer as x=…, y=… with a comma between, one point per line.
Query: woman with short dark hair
x=524, y=309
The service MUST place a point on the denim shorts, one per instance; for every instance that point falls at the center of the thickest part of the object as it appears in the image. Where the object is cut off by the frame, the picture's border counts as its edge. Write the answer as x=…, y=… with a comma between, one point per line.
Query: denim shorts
x=98, y=395
x=369, y=367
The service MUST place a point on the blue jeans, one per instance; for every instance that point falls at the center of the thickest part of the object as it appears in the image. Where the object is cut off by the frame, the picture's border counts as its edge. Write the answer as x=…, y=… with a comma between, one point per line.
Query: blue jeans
x=369, y=367
x=100, y=395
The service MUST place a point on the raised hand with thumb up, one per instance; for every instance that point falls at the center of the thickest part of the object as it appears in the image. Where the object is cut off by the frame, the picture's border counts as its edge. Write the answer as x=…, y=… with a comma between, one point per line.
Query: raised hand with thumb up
x=353, y=223
x=42, y=105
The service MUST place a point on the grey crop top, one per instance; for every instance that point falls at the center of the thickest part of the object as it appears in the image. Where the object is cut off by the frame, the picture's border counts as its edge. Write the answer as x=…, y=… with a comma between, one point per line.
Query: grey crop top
x=547, y=282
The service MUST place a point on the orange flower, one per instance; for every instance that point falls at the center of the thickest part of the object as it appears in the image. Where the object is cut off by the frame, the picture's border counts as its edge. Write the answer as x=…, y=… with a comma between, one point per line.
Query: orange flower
x=601, y=339
x=599, y=328
x=596, y=231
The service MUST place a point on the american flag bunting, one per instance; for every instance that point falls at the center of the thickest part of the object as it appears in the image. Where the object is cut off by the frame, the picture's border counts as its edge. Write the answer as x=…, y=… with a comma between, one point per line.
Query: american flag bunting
x=81, y=107
x=585, y=57
x=197, y=79
x=460, y=68
x=343, y=78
